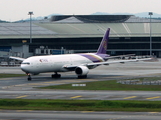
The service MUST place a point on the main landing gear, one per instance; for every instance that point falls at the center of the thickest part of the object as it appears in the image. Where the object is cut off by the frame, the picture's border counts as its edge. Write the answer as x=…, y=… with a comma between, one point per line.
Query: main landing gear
x=56, y=75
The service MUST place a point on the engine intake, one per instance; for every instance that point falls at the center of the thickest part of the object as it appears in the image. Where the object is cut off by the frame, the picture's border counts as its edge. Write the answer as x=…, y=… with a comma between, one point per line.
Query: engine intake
x=81, y=70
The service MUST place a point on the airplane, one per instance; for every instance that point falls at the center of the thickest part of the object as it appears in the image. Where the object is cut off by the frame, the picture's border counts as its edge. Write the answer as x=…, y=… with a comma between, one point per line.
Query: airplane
x=80, y=63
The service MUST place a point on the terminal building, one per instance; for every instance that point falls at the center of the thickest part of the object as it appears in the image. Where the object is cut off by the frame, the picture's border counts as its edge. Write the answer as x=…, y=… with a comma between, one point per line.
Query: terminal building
x=81, y=33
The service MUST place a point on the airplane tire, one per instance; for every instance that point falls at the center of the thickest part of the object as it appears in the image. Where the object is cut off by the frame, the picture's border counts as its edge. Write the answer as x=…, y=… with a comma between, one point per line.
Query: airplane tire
x=59, y=75
x=52, y=76
x=29, y=79
x=56, y=75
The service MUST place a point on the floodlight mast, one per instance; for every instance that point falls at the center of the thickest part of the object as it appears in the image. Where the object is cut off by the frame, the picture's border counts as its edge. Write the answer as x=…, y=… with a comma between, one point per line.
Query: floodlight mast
x=150, y=13
x=30, y=13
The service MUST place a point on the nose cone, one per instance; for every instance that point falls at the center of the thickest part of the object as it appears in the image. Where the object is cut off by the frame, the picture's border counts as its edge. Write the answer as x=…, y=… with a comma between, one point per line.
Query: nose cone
x=25, y=66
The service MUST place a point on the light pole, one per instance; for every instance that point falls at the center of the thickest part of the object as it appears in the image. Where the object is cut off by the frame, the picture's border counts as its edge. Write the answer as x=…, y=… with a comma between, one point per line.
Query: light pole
x=150, y=13
x=30, y=13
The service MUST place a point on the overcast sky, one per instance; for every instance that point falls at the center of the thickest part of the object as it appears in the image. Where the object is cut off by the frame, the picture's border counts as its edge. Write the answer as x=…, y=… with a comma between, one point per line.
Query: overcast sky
x=12, y=10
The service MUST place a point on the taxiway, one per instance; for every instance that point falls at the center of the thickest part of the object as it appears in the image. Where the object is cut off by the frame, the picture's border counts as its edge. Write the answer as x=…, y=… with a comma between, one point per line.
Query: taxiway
x=77, y=115
x=20, y=88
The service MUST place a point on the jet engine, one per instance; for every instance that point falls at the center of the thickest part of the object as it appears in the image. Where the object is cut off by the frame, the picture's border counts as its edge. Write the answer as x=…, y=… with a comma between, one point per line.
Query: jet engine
x=81, y=71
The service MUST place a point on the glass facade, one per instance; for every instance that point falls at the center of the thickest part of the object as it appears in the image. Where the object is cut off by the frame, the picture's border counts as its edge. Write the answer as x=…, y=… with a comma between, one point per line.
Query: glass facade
x=122, y=45
x=116, y=46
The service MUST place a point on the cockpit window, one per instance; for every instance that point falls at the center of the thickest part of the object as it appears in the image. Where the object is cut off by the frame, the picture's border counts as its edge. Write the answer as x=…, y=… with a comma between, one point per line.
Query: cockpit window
x=25, y=63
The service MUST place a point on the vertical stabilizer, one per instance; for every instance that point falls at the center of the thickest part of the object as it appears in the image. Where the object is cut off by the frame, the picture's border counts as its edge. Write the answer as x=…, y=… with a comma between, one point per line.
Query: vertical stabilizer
x=103, y=46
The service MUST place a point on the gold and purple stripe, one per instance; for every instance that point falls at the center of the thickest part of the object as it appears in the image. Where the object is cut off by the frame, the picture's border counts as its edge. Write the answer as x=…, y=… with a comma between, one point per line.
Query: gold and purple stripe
x=93, y=57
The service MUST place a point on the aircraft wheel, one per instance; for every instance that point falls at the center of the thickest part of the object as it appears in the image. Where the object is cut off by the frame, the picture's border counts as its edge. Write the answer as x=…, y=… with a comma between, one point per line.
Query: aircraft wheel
x=59, y=75
x=29, y=78
x=56, y=75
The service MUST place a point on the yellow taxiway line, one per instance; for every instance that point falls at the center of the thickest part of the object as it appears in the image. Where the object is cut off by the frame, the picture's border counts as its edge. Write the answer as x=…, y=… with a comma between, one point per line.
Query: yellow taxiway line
x=153, y=97
x=76, y=97
x=130, y=97
x=22, y=96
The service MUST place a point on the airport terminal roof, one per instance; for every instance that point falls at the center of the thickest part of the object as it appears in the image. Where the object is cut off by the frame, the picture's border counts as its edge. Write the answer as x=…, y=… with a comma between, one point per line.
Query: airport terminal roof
x=75, y=26
x=92, y=18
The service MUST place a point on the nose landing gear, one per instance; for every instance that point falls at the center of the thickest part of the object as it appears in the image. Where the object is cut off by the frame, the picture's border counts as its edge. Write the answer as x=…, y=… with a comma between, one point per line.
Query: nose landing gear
x=29, y=77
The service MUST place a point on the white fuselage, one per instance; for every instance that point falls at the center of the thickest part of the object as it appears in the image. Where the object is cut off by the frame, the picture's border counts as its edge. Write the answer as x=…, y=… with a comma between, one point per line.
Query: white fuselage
x=54, y=63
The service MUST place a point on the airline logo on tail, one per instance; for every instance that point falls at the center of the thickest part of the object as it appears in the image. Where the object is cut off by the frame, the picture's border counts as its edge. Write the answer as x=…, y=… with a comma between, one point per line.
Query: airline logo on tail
x=103, y=46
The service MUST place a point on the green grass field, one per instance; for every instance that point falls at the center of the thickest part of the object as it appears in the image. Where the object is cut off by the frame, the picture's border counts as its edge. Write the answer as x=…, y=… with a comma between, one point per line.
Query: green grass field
x=80, y=105
x=87, y=105
x=2, y=75
x=107, y=85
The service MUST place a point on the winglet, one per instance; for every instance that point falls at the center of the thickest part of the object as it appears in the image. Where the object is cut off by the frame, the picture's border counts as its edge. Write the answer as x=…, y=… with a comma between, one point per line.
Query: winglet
x=103, y=46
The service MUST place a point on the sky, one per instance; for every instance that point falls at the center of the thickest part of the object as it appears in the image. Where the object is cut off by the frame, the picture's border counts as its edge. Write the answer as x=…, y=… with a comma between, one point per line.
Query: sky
x=12, y=10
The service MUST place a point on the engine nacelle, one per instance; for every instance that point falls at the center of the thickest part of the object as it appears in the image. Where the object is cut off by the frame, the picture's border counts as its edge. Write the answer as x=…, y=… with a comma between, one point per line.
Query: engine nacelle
x=81, y=70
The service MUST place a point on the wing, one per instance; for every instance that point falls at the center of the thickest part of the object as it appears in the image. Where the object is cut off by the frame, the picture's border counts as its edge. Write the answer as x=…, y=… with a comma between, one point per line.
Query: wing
x=105, y=63
x=120, y=56
x=17, y=58
x=118, y=61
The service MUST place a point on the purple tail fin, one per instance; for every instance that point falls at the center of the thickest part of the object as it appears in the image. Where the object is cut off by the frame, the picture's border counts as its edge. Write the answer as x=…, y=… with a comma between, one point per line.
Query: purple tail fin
x=103, y=46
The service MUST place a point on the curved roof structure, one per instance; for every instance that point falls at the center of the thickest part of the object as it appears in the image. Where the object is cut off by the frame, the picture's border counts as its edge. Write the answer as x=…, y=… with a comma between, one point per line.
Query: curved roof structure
x=93, y=18
x=74, y=26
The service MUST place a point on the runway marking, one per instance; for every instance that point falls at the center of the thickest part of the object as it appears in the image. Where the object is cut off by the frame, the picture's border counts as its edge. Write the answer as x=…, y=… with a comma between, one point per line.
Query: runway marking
x=153, y=97
x=37, y=84
x=153, y=112
x=72, y=81
x=75, y=97
x=130, y=97
x=49, y=82
x=84, y=79
x=60, y=83
x=22, y=96
x=24, y=110
x=6, y=87
x=87, y=111
x=131, y=116
x=20, y=85
x=120, y=118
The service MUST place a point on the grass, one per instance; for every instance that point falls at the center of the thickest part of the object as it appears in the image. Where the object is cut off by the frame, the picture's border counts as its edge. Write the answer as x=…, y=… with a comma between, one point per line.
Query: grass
x=87, y=105
x=107, y=85
x=80, y=105
x=2, y=75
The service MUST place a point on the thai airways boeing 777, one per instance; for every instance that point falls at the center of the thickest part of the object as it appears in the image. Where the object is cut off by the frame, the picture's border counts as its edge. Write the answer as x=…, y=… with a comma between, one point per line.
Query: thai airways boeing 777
x=80, y=63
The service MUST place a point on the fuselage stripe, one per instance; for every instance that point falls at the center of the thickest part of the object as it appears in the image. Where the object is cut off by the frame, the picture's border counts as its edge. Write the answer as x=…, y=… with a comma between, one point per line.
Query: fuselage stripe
x=92, y=57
